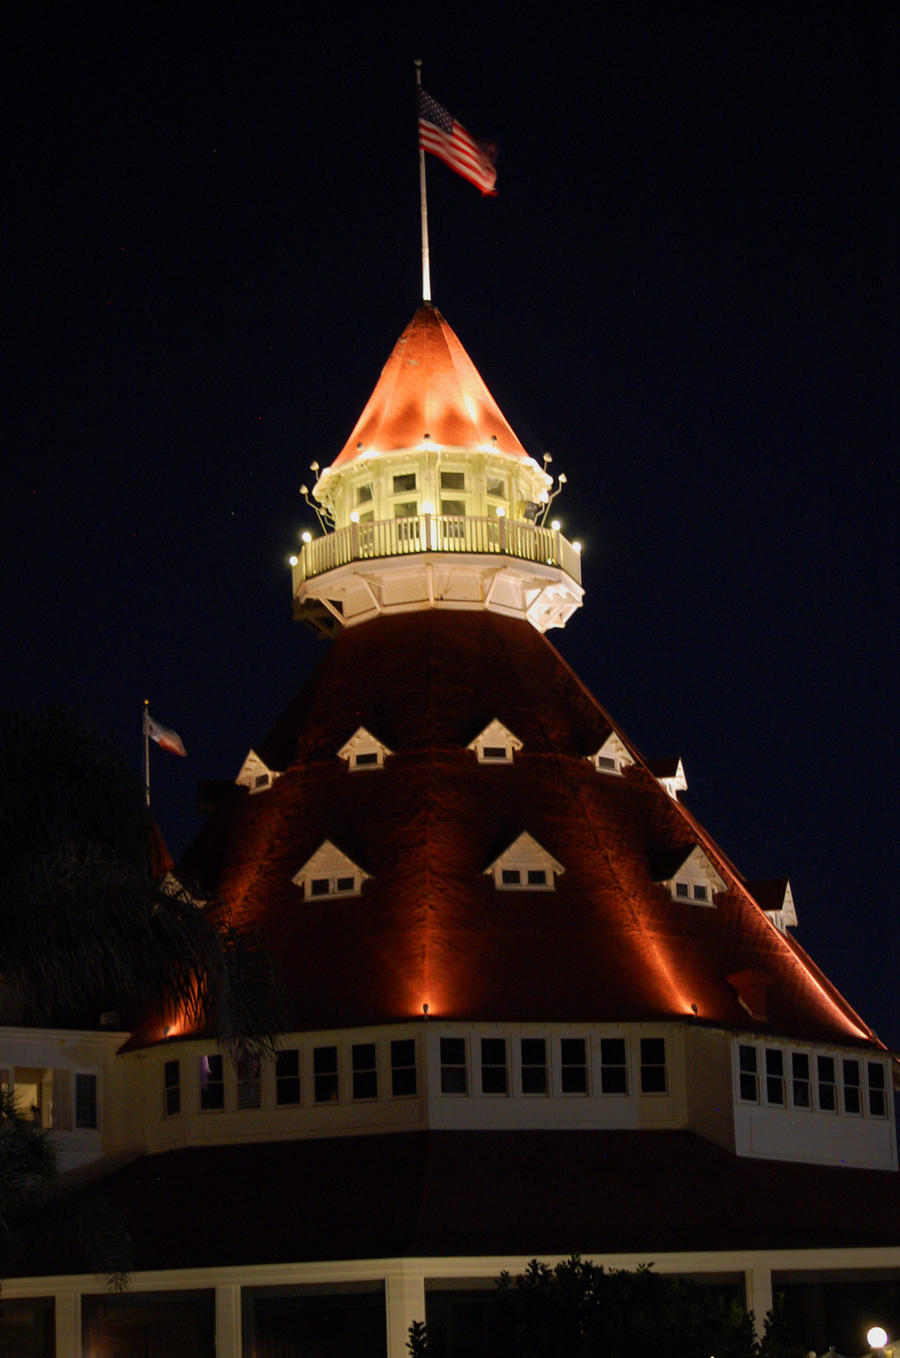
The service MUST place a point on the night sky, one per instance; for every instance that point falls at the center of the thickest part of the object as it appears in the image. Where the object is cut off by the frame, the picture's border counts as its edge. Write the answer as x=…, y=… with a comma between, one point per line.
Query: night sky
x=682, y=292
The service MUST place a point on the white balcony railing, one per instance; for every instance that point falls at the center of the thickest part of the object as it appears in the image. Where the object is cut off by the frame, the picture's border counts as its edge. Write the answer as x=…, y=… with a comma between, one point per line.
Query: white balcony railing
x=436, y=533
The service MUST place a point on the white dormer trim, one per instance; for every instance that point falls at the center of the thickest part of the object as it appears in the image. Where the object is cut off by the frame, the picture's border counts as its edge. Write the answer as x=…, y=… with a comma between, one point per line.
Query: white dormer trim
x=669, y=773
x=693, y=880
x=329, y=873
x=364, y=751
x=255, y=775
x=776, y=900
x=525, y=866
x=496, y=744
x=612, y=756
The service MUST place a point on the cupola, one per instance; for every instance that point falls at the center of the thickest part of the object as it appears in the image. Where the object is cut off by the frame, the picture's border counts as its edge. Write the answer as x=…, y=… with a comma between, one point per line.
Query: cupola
x=433, y=502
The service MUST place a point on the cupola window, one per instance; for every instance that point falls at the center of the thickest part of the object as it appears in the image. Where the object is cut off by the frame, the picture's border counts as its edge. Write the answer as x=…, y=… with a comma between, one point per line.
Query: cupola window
x=611, y=756
x=329, y=873
x=364, y=494
x=364, y=751
x=496, y=744
x=453, y=480
x=255, y=775
x=689, y=876
x=404, y=481
x=525, y=866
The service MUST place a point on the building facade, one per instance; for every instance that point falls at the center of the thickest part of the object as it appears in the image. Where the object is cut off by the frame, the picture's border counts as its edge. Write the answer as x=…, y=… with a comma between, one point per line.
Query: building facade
x=534, y=1009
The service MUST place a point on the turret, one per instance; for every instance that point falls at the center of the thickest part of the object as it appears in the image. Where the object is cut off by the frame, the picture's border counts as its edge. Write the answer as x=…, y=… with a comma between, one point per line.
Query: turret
x=433, y=502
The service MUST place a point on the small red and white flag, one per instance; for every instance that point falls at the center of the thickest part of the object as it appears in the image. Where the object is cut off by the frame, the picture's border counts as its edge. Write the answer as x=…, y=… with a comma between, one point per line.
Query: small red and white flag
x=444, y=137
x=165, y=739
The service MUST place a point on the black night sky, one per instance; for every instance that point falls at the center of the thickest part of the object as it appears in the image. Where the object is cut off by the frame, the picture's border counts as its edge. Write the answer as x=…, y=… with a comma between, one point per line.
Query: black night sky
x=682, y=292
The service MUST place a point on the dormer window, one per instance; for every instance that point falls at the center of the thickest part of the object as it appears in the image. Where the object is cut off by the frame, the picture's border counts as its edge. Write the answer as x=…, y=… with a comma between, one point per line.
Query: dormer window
x=689, y=876
x=670, y=774
x=611, y=756
x=525, y=866
x=255, y=775
x=495, y=745
x=329, y=873
x=364, y=751
x=776, y=899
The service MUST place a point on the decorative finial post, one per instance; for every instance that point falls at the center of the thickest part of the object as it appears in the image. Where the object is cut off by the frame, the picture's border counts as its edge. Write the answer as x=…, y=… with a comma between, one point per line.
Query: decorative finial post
x=423, y=200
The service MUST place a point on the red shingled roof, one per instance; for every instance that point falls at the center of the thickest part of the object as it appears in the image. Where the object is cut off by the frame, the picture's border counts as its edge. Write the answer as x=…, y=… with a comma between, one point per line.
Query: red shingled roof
x=457, y=1193
x=430, y=927
x=429, y=385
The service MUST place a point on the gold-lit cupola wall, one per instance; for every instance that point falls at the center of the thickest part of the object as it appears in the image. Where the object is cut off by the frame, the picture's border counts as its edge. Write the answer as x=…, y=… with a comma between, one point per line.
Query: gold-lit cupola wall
x=433, y=502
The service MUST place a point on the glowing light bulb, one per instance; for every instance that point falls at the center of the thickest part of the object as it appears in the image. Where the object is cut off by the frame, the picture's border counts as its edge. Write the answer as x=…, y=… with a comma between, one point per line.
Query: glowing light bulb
x=876, y=1337
x=307, y=537
x=576, y=546
x=354, y=516
x=292, y=560
x=556, y=525
x=501, y=512
x=427, y=507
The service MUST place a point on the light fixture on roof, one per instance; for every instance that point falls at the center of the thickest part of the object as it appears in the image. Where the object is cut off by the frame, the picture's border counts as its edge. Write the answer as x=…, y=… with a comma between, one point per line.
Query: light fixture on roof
x=306, y=537
x=556, y=525
x=292, y=560
x=322, y=512
x=547, y=500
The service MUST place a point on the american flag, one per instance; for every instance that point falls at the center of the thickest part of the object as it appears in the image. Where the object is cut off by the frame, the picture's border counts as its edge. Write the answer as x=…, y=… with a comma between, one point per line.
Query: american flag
x=444, y=137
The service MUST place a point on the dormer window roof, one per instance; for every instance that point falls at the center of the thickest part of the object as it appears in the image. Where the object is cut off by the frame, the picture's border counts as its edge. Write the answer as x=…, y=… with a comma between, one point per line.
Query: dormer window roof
x=329, y=872
x=364, y=751
x=670, y=773
x=611, y=756
x=776, y=899
x=256, y=775
x=525, y=866
x=496, y=744
x=689, y=876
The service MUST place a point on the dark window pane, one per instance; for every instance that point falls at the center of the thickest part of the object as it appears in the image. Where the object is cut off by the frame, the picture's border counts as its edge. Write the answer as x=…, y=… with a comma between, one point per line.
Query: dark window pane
x=404, y=481
x=534, y=1080
x=453, y=1051
x=319, y=886
x=573, y=1051
x=534, y=1051
x=537, y=877
x=403, y=1082
x=748, y=1087
x=747, y=1058
x=493, y=1051
x=287, y=1078
x=324, y=1060
x=453, y=480
x=453, y=1080
x=653, y=1051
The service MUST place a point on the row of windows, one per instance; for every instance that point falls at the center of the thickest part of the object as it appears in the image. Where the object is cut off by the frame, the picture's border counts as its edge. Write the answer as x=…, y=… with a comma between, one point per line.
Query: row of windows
x=404, y=482
x=796, y=1079
x=604, y=1070
x=574, y=1066
x=288, y=1093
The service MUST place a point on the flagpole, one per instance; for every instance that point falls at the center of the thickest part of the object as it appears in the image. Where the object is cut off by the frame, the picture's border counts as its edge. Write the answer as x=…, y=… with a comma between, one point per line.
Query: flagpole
x=423, y=205
x=146, y=729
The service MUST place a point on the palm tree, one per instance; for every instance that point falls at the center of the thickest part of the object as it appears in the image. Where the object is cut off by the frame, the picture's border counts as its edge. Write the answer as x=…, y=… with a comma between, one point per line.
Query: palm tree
x=85, y=924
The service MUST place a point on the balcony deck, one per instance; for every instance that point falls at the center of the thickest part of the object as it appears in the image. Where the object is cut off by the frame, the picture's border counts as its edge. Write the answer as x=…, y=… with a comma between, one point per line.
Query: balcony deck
x=443, y=533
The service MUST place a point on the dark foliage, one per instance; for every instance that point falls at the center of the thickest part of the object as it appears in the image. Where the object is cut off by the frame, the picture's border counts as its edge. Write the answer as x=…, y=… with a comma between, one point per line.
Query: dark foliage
x=85, y=925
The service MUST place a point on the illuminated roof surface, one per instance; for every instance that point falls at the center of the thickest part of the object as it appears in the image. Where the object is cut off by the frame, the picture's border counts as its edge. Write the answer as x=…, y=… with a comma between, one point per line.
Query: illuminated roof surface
x=607, y=944
x=429, y=385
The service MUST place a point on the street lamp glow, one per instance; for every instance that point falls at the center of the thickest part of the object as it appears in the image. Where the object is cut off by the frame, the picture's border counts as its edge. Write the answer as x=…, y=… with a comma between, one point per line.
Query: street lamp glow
x=876, y=1337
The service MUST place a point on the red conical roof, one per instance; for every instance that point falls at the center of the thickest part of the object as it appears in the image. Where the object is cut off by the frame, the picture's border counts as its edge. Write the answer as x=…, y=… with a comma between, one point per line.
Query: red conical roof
x=429, y=385
x=608, y=944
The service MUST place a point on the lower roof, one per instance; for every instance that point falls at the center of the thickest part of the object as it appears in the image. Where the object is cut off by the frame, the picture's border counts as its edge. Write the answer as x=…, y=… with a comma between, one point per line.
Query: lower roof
x=528, y=1193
